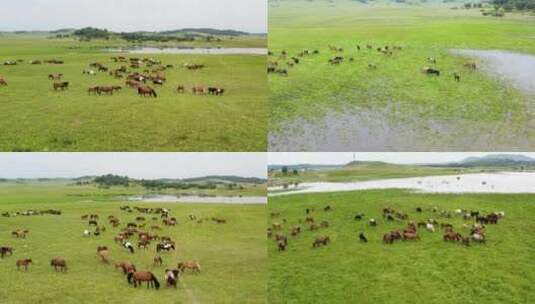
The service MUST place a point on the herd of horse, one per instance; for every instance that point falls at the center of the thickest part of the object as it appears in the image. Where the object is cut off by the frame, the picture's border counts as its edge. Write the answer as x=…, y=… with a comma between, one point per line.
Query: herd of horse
x=284, y=62
x=475, y=223
x=154, y=72
x=143, y=227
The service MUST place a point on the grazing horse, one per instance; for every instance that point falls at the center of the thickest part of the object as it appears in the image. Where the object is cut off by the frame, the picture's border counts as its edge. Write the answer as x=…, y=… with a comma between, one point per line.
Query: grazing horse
x=171, y=277
x=431, y=71
x=20, y=233
x=3, y=81
x=281, y=245
x=56, y=77
x=5, y=250
x=103, y=254
x=128, y=246
x=478, y=237
x=194, y=266
x=470, y=64
x=451, y=236
x=197, y=90
x=145, y=90
x=362, y=237
x=138, y=277
x=164, y=246
x=388, y=238
x=410, y=236
x=127, y=267
x=180, y=89
x=158, y=260
x=216, y=91
x=59, y=263
x=322, y=240
x=372, y=222
x=60, y=85
x=457, y=76
x=25, y=263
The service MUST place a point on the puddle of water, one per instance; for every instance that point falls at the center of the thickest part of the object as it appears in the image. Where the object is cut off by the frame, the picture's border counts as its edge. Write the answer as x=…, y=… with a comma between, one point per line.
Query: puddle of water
x=389, y=130
x=164, y=198
x=189, y=50
x=515, y=68
x=501, y=182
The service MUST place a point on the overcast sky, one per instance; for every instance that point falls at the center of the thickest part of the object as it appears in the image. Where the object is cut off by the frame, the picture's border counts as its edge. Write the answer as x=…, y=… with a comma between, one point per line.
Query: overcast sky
x=133, y=15
x=136, y=165
x=287, y=158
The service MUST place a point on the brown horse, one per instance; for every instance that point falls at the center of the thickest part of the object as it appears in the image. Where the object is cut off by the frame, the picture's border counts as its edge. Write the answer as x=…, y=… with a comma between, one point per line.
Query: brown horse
x=194, y=266
x=158, y=260
x=5, y=250
x=25, y=263
x=388, y=238
x=61, y=85
x=59, y=263
x=451, y=236
x=322, y=240
x=104, y=253
x=125, y=266
x=197, y=90
x=146, y=91
x=138, y=277
x=470, y=64
x=56, y=77
x=281, y=245
x=107, y=90
x=20, y=233
x=3, y=81
x=410, y=236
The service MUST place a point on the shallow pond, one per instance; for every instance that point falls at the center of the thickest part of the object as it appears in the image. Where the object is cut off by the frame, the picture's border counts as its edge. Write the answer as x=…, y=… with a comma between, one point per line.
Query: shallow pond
x=515, y=68
x=502, y=182
x=189, y=50
x=165, y=198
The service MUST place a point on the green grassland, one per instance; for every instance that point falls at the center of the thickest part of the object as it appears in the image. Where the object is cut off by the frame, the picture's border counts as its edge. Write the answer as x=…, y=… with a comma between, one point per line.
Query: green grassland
x=425, y=271
x=233, y=255
x=397, y=89
x=34, y=117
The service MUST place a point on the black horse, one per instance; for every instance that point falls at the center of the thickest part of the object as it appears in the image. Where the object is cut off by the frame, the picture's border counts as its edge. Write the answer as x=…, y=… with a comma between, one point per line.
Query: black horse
x=5, y=250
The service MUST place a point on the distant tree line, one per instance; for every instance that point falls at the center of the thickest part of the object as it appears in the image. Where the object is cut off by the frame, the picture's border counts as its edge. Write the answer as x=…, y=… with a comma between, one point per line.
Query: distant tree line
x=89, y=33
x=112, y=180
x=509, y=5
x=140, y=37
x=160, y=185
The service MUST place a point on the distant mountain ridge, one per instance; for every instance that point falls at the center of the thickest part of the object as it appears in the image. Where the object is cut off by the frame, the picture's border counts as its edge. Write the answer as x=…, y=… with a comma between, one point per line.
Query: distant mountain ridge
x=183, y=31
x=491, y=160
x=200, y=179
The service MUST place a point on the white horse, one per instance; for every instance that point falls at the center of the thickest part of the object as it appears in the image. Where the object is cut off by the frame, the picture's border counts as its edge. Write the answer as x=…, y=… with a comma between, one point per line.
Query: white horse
x=87, y=233
x=129, y=246
x=478, y=237
x=430, y=227
x=89, y=72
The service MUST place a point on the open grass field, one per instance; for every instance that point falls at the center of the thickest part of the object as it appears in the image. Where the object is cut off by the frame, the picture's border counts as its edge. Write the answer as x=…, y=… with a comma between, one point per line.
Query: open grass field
x=395, y=100
x=426, y=271
x=34, y=117
x=233, y=256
